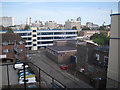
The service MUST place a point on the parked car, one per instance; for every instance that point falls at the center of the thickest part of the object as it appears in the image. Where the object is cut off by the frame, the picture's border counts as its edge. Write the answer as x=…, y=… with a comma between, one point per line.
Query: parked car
x=28, y=80
x=32, y=86
x=27, y=76
x=64, y=66
x=22, y=73
x=21, y=70
x=19, y=65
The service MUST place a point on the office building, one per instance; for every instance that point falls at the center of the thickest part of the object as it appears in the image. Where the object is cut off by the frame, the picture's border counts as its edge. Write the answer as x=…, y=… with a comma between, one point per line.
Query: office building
x=69, y=24
x=7, y=21
x=51, y=25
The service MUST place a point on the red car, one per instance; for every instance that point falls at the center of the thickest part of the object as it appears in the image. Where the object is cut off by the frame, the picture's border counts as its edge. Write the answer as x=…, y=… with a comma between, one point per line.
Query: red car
x=63, y=66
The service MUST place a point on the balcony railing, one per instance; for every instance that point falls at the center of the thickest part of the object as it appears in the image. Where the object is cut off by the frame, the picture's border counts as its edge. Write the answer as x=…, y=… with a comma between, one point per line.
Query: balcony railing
x=54, y=82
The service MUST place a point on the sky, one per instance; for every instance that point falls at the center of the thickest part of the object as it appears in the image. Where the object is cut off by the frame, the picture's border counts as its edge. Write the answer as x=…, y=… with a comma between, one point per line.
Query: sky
x=96, y=12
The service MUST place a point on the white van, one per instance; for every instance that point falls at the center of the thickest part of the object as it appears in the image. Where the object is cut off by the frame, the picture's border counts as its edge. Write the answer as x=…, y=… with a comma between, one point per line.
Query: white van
x=29, y=80
x=19, y=65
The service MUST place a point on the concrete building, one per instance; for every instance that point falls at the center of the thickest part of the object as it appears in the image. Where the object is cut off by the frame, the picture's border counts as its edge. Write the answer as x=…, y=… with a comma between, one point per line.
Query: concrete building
x=37, y=23
x=73, y=23
x=88, y=33
x=37, y=38
x=51, y=25
x=13, y=47
x=92, y=26
x=113, y=72
x=7, y=21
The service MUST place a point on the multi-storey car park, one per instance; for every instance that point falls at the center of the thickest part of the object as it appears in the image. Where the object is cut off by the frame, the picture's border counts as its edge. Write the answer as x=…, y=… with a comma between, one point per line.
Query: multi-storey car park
x=37, y=38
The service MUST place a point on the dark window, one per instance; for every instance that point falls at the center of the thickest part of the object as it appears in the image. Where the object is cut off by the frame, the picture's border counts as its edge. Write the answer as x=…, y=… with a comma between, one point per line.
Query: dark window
x=34, y=30
x=34, y=35
x=34, y=44
x=34, y=40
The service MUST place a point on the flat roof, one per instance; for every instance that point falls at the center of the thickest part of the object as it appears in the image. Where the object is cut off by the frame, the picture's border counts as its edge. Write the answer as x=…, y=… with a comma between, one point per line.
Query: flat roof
x=62, y=48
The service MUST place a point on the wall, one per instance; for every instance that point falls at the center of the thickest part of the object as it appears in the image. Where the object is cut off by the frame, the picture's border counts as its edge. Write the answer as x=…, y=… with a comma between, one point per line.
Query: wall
x=65, y=58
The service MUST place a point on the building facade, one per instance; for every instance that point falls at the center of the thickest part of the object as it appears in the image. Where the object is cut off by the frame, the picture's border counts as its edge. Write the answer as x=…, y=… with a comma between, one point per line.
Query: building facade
x=13, y=47
x=92, y=26
x=35, y=39
x=7, y=21
x=114, y=54
x=28, y=21
x=73, y=23
x=61, y=51
x=88, y=33
x=92, y=62
x=51, y=25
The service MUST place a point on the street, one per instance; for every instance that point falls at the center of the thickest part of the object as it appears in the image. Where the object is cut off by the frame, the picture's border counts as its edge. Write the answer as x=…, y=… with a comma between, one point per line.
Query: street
x=54, y=70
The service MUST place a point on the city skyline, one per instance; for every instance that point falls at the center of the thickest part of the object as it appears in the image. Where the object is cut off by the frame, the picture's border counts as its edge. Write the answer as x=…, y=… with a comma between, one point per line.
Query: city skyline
x=96, y=12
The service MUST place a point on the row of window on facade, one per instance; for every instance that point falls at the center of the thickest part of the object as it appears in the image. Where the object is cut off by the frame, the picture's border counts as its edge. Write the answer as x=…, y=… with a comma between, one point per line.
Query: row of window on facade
x=7, y=50
x=8, y=43
x=98, y=58
x=51, y=51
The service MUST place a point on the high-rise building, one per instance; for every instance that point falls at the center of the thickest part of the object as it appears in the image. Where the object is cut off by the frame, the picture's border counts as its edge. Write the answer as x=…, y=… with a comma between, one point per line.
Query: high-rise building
x=51, y=25
x=28, y=21
x=7, y=21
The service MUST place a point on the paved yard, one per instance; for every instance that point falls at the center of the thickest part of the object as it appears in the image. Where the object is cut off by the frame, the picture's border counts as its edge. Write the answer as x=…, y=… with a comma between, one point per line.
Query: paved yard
x=13, y=77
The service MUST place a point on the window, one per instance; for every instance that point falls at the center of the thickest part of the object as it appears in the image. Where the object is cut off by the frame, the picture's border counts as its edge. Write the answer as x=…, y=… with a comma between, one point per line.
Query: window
x=34, y=40
x=97, y=56
x=34, y=35
x=34, y=30
x=21, y=42
x=21, y=50
x=34, y=44
x=106, y=59
x=5, y=50
x=4, y=43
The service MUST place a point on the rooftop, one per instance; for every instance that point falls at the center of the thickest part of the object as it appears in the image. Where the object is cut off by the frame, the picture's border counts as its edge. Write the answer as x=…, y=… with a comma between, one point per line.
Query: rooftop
x=61, y=48
x=7, y=37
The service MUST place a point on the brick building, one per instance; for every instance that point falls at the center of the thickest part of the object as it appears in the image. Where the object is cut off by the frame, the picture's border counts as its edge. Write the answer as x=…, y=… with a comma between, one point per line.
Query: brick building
x=13, y=47
x=92, y=63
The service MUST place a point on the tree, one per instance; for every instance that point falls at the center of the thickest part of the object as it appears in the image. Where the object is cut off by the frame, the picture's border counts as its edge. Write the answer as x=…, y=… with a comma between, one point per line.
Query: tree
x=100, y=39
x=9, y=30
x=85, y=28
x=26, y=27
x=75, y=28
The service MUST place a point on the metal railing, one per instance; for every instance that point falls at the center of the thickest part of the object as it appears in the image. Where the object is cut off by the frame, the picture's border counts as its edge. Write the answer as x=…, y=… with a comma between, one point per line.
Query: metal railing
x=55, y=83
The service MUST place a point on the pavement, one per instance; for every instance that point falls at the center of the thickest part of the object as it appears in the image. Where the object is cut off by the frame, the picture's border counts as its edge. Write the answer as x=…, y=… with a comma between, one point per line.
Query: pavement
x=13, y=77
x=54, y=70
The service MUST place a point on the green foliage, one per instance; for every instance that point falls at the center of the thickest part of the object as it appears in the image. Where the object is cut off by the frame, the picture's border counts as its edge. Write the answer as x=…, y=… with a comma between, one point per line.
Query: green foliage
x=85, y=28
x=26, y=27
x=100, y=39
x=75, y=28
x=9, y=30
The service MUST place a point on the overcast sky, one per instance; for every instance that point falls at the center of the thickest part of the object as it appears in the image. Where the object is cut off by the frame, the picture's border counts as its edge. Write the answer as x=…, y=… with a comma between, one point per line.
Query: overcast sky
x=96, y=12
